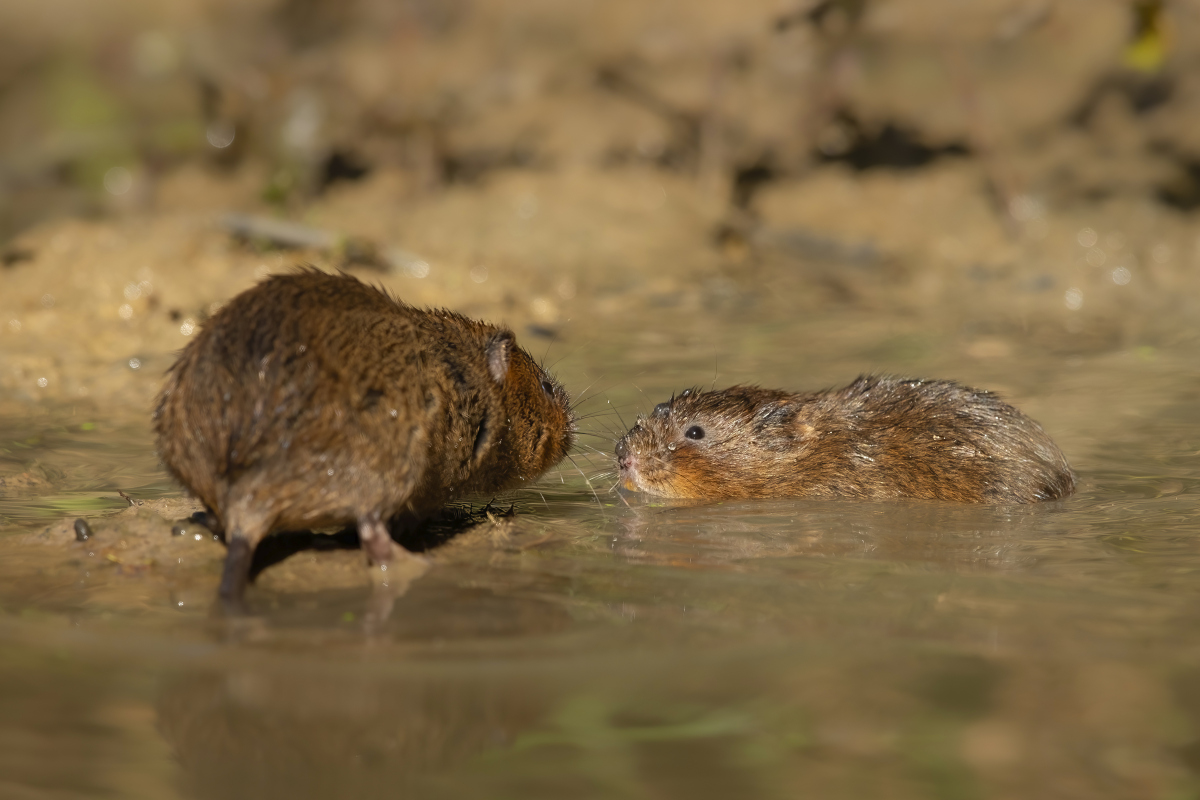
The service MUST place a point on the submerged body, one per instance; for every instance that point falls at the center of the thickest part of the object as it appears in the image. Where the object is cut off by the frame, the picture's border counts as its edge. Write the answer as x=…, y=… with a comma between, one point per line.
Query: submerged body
x=315, y=400
x=878, y=438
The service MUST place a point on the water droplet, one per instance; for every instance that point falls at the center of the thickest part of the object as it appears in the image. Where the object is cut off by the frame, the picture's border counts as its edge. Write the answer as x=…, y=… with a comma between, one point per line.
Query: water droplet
x=220, y=133
x=1087, y=237
x=117, y=181
x=479, y=274
x=47, y=301
x=135, y=363
x=543, y=309
x=188, y=327
x=1121, y=276
x=1073, y=298
x=125, y=311
x=42, y=382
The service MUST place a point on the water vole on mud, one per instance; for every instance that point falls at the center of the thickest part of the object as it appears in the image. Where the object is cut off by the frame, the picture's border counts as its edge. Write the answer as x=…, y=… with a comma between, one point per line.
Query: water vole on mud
x=876, y=439
x=314, y=400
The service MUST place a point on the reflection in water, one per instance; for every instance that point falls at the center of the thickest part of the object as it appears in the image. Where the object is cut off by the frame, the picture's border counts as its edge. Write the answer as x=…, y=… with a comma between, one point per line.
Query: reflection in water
x=993, y=537
x=258, y=732
x=593, y=647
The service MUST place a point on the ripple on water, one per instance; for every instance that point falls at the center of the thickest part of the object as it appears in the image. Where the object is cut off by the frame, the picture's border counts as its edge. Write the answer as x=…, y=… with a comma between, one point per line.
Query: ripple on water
x=62, y=463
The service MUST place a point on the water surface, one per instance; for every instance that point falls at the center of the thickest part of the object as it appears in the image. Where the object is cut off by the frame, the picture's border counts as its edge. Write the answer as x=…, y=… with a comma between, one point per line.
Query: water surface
x=600, y=645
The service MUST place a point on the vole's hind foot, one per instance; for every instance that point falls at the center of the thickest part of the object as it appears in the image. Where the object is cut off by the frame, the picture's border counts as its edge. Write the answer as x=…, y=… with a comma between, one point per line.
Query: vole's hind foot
x=374, y=539
x=390, y=563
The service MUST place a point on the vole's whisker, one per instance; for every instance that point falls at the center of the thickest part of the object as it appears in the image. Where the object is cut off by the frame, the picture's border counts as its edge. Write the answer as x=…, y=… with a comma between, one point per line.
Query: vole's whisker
x=588, y=482
x=583, y=395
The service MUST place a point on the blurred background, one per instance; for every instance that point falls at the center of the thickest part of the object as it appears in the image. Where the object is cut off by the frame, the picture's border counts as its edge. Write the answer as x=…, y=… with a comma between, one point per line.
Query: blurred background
x=1018, y=172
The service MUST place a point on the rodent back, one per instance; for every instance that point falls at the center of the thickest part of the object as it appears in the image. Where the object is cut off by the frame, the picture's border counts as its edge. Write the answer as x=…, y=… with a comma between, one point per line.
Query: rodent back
x=878, y=437
x=299, y=368
x=314, y=366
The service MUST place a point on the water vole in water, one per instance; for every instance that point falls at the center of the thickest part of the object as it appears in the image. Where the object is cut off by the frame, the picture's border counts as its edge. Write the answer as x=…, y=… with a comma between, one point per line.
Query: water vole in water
x=315, y=400
x=878, y=438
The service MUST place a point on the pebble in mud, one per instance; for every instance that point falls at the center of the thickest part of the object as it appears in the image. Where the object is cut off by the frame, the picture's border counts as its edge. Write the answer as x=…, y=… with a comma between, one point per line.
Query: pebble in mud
x=314, y=400
x=83, y=531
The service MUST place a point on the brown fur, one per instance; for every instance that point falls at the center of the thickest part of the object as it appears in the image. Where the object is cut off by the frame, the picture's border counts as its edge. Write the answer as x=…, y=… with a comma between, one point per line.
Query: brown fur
x=315, y=400
x=876, y=439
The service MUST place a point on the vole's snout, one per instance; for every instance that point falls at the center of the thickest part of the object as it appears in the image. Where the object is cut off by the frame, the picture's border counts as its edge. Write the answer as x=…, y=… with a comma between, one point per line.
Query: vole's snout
x=622, y=454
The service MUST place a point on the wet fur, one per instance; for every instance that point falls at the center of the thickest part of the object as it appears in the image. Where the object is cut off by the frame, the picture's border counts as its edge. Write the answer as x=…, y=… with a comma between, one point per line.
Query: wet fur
x=878, y=438
x=315, y=400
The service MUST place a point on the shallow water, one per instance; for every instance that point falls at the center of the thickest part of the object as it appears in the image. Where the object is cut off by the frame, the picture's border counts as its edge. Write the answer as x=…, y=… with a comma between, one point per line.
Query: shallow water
x=596, y=645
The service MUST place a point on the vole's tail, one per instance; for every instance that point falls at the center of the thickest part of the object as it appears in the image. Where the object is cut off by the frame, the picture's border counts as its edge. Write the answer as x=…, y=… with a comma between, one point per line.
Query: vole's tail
x=244, y=529
x=237, y=568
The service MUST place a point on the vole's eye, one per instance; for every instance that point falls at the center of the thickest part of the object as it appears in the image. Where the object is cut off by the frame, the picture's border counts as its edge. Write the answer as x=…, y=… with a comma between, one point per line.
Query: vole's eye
x=694, y=432
x=548, y=388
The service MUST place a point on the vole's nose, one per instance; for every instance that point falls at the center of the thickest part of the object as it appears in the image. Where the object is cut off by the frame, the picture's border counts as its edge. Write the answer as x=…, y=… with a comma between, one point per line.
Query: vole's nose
x=626, y=458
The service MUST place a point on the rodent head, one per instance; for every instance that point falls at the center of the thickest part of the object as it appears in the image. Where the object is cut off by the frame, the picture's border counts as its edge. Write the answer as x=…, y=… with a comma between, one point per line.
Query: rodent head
x=711, y=444
x=539, y=428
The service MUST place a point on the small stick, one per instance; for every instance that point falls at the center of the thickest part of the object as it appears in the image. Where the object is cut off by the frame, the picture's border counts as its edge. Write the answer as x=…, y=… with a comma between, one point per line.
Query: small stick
x=295, y=235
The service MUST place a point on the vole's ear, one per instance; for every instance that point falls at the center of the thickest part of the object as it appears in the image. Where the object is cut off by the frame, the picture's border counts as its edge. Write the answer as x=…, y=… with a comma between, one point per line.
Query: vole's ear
x=499, y=354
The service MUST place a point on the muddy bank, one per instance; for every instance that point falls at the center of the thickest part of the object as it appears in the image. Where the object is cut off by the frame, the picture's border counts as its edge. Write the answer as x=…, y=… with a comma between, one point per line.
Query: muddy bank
x=1018, y=176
